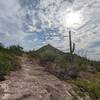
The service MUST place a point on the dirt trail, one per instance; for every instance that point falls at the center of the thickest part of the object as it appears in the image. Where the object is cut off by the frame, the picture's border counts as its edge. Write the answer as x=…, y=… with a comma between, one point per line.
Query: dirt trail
x=32, y=82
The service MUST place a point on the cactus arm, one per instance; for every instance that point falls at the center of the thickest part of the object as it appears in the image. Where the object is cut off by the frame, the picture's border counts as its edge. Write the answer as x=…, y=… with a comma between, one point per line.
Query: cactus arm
x=73, y=49
x=70, y=42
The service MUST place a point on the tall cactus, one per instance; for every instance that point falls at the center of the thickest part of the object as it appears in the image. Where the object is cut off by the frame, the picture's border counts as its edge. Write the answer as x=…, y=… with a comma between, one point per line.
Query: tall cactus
x=71, y=45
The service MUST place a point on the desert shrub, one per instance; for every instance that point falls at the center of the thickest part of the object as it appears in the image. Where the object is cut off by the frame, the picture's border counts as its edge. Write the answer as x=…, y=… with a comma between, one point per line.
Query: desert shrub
x=93, y=88
x=69, y=71
x=96, y=65
x=61, y=61
x=81, y=64
x=15, y=62
x=32, y=54
x=72, y=71
x=4, y=66
x=8, y=63
x=9, y=60
x=60, y=67
x=16, y=49
x=47, y=56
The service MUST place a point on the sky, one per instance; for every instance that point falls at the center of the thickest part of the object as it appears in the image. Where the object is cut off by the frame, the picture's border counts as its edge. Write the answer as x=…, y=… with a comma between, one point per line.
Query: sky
x=35, y=23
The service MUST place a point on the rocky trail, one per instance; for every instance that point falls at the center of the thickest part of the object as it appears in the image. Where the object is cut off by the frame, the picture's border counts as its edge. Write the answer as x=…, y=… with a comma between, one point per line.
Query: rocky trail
x=32, y=82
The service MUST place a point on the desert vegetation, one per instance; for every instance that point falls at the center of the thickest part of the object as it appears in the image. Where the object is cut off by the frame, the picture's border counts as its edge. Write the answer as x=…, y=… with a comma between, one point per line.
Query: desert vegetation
x=49, y=55
x=79, y=71
x=9, y=59
x=70, y=67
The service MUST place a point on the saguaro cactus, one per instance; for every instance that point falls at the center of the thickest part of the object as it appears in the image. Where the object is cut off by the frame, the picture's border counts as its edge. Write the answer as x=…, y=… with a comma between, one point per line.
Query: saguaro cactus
x=71, y=45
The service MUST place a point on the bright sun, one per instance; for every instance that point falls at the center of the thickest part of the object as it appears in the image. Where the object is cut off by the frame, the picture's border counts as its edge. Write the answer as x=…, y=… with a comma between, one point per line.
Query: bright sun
x=73, y=19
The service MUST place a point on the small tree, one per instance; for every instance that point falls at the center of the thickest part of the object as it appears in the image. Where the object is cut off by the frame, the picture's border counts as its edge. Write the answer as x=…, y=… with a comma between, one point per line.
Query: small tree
x=16, y=49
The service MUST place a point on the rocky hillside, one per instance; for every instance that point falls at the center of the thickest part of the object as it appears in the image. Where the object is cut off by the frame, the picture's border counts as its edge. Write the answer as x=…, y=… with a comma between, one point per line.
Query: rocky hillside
x=80, y=72
x=48, y=74
x=32, y=82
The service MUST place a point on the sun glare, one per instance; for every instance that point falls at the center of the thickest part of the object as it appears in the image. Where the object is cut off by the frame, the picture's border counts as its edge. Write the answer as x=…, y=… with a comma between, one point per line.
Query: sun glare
x=73, y=19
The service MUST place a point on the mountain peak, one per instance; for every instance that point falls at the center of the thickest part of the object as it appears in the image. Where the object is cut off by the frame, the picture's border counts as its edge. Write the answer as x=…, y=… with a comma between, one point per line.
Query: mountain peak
x=49, y=47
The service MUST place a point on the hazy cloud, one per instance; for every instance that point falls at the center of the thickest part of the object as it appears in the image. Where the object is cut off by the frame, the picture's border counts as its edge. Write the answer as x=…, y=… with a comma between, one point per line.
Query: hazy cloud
x=33, y=23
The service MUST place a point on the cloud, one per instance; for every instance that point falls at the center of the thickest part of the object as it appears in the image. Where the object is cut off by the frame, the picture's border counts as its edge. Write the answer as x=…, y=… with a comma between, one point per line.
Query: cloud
x=34, y=23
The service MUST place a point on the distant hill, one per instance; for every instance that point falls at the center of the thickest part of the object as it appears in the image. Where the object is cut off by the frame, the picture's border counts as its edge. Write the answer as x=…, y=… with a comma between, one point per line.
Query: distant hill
x=50, y=48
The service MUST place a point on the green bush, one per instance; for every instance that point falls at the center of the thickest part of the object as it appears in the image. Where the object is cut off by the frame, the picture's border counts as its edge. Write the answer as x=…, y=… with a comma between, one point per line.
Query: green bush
x=61, y=61
x=47, y=56
x=16, y=49
x=93, y=88
x=33, y=54
x=95, y=64
x=5, y=66
x=8, y=62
